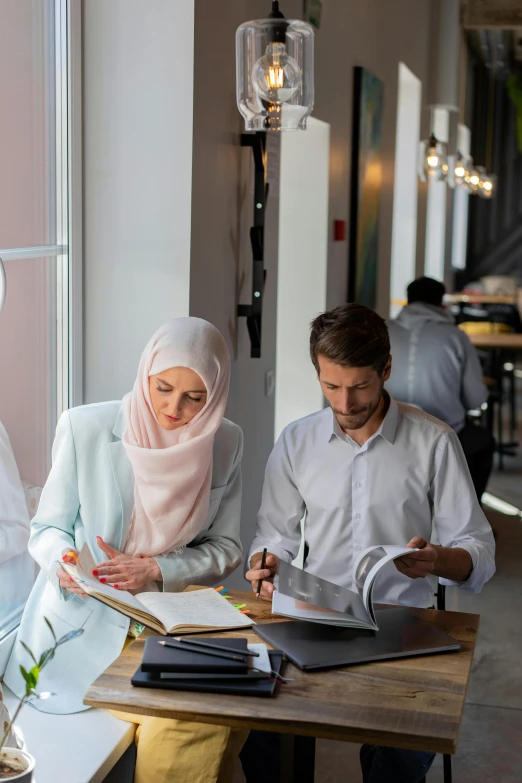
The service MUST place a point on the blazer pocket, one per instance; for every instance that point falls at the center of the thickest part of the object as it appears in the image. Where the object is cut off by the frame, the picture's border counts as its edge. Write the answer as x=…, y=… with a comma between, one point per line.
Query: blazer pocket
x=75, y=612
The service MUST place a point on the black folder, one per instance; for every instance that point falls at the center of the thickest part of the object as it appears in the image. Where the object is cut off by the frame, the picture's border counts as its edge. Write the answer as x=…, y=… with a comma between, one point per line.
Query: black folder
x=401, y=634
x=243, y=685
x=158, y=658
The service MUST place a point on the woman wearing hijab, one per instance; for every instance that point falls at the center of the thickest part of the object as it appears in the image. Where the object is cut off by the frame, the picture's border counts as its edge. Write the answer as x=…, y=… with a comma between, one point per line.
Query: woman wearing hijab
x=153, y=485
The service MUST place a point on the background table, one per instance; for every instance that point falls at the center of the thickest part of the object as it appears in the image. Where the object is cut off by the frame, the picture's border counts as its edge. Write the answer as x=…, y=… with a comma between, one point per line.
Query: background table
x=511, y=342
x=412, y=703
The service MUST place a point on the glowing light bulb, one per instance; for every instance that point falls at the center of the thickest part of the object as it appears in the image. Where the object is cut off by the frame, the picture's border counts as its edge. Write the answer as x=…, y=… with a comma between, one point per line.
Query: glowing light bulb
x=460, y=171
x=276, y=76
x=435, y=162
x=474, y=180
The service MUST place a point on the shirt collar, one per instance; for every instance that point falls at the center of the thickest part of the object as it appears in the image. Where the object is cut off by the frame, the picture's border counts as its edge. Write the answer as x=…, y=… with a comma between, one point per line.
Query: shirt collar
x=387, y=430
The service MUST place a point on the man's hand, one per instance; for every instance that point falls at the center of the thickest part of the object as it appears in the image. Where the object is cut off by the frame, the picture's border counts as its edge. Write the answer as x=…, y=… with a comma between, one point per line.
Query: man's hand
x=418, y=564
x=266, y=574
x=125, y=572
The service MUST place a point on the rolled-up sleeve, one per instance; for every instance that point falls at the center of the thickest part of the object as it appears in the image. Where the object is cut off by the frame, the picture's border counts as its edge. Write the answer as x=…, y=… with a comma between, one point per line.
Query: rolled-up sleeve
x=282, y=507
x=457, y=515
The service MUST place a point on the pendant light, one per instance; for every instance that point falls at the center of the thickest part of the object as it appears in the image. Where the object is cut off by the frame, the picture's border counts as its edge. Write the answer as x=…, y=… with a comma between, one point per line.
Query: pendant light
x=487, y=181
x=459, y=169
x=275, y=72
x=433, y=160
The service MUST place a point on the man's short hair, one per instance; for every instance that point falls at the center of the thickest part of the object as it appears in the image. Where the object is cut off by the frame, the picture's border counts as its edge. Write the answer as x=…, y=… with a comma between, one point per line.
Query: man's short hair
x=427, y=290
x=351, y=335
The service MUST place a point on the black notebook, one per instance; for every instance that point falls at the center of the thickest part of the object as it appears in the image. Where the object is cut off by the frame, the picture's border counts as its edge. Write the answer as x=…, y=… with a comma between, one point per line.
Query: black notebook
x=241, y=685
x=401, y=635
x=158, y=658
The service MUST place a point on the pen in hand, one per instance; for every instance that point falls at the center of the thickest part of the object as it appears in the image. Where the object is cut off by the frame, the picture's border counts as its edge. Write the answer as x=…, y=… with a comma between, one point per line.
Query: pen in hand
x=263, y=563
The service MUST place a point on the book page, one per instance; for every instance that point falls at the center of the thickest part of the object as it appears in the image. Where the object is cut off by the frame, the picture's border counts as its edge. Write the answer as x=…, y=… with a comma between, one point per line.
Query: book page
x=92, y=587
x=320, y=593
x=368, y=565
x=291, y=607
x=196, y=608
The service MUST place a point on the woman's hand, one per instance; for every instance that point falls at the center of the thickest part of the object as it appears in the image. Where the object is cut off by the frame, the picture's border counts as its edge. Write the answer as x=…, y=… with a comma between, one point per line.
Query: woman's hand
x=125, y=572
x=69, y=556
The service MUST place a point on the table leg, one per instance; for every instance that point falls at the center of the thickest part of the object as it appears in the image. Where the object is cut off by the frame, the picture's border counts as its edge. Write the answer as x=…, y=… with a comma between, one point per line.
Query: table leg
x=297, y=759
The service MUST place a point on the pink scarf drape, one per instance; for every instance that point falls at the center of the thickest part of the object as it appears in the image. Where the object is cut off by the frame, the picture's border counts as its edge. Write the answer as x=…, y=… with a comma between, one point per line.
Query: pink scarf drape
x=173, y=469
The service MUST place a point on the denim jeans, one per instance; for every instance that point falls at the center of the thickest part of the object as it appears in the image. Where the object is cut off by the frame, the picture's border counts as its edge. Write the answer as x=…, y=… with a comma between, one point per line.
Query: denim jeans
x=391, y=765
x=260, y=759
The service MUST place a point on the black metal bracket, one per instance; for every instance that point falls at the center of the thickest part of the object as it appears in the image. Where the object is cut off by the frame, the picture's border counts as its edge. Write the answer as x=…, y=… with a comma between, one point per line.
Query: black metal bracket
x=253, y=312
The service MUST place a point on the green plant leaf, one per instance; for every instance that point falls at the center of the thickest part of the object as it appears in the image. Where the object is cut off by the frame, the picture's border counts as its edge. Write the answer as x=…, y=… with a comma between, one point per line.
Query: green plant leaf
x=29, y=677
x=45, y=657
x=26, y=648
x=69, y=636
x=50, y=628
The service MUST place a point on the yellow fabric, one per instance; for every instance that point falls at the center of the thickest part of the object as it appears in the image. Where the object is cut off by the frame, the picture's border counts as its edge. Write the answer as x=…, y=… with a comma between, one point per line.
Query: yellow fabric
x=179, y=751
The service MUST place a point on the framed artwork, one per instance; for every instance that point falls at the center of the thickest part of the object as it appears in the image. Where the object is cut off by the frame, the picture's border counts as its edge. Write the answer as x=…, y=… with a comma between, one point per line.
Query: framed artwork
x=366, y=185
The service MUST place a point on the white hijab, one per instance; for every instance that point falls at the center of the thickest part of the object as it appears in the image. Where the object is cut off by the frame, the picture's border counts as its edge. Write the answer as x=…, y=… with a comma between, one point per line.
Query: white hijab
x=173, y=468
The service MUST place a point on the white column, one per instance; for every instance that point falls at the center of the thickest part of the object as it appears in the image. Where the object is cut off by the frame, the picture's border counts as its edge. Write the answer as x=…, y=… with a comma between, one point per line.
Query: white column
x=436, y=210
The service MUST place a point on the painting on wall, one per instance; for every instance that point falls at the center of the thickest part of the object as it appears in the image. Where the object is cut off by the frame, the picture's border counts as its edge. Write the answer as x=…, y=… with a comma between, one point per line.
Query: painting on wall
x=365, y=188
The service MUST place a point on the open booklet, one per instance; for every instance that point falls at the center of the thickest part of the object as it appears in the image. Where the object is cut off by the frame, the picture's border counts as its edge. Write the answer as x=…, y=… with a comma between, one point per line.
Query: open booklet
x=303, y=596
x=167, y=613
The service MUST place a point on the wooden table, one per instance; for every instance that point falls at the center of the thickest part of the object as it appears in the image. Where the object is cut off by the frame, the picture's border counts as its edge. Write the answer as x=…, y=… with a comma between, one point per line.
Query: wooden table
x=507, y=341
x=412, y=703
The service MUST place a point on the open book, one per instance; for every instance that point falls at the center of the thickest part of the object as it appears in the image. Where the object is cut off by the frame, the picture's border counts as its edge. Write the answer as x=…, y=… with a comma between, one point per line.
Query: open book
x=303, y=596
x=166, y=613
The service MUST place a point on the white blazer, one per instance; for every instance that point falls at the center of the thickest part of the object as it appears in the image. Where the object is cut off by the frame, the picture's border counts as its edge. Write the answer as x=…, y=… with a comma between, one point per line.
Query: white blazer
x=17, y=569
x=89, y=493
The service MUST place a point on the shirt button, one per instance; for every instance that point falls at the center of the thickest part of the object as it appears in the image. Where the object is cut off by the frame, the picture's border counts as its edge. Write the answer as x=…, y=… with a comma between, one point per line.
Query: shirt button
x=358, y=485
x=356, y=546
x=357, y=516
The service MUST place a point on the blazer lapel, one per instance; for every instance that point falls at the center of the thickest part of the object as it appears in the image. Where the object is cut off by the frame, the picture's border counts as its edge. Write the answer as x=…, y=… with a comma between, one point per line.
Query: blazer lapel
x=124, y=479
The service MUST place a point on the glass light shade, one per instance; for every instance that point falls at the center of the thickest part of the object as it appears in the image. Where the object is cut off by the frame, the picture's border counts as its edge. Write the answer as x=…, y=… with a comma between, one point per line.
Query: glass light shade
x=435, y=160
x=473, y=180
x=275, y=73
x=461, y=169
x=487, y=185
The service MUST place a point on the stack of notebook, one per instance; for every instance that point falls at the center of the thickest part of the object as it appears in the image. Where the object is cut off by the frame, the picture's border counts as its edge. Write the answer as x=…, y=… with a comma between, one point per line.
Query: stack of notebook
x=214, y=665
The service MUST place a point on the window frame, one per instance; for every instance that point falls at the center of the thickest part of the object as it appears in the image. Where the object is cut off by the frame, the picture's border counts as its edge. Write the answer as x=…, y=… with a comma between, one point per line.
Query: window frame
x=64, y=110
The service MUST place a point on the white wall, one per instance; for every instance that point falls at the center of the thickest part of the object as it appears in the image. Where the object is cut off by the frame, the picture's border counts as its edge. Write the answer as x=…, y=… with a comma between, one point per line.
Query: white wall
x=302, y=268
x=138, y=60
x=460, y=207
x=436, y=210
x=404, y=225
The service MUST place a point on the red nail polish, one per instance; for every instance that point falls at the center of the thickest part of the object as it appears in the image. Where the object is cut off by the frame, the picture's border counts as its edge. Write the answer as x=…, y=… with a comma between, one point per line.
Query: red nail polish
x=95, y=572
x=63, y=557
x=116, y=586
x=102, y=579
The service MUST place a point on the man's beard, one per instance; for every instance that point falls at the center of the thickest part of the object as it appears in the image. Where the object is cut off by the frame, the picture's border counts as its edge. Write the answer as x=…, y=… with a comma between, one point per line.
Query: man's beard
x=357, y=419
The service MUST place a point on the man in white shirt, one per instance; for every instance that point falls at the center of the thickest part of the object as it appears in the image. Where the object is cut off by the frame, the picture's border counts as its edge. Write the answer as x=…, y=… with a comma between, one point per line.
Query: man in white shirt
x=369, y=471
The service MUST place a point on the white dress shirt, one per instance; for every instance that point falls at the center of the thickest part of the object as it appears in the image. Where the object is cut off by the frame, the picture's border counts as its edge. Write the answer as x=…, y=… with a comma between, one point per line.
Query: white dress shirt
x=409, y=479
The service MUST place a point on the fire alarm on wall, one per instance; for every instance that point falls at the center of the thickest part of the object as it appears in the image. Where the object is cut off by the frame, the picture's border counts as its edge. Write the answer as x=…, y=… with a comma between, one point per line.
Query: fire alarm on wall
x=339, y=230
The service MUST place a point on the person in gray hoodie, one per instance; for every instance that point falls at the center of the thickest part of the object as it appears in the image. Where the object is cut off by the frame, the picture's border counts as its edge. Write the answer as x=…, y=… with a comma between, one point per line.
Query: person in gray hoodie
x=436, y=368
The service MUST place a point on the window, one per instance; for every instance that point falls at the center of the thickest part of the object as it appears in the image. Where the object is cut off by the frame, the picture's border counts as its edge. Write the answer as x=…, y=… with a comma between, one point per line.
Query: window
x=38, y=368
